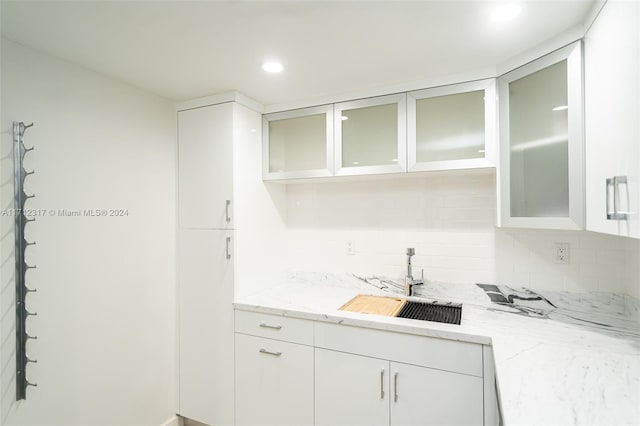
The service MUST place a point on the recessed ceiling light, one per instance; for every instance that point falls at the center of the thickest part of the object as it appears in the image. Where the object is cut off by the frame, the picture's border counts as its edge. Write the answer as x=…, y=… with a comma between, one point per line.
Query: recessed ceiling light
x=505, y=12
x=355, y=163
x=272, y=67
x=561, y=108
x=344, y=117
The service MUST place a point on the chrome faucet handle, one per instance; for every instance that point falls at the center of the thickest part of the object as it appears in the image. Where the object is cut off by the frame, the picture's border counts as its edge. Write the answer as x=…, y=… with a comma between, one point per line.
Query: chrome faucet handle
x=418, y=281
x=411, y=283
x=411, y=251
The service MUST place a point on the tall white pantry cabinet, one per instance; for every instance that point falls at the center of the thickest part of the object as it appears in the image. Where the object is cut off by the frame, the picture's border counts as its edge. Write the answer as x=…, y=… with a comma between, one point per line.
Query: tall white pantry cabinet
x=207, y=136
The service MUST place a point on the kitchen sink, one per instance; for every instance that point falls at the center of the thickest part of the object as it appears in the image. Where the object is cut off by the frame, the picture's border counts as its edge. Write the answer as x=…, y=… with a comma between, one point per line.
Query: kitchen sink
x=402, y=308
x=449, y=314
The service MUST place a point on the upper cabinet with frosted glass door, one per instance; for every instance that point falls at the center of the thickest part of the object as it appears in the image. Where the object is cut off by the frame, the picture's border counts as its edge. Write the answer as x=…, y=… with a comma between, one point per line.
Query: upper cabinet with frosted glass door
x=371, y=136
x=541, y=143
x=452, y=127
x=298, y=143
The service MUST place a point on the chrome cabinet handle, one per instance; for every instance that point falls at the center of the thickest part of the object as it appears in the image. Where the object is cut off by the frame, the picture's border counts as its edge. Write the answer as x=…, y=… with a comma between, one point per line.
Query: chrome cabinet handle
x=395, y=387
x=275, y=327
x=226, y=211
x=609, y=184
x=228, y=243
x=382, y=384
x=264, y=351
x=614, y=183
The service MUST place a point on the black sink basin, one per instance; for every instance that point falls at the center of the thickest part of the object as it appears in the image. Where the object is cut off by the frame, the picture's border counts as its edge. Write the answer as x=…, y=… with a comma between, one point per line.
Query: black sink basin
x=449, y=314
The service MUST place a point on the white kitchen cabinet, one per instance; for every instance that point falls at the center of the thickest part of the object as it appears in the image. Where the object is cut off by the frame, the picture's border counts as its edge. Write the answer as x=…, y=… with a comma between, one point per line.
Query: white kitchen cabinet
x=298, y=143
x=350, y=390
x=370, y=136
x=357, y=390
x=356, y=376
x=452, y=127
x=208, y=137
x=366, y=376
x=205, y=283
x=444, y=128
x=612, y=120
x=425, y=396
x=205, y=167
x=541, y=167
x=274, y=382
x=273, y=370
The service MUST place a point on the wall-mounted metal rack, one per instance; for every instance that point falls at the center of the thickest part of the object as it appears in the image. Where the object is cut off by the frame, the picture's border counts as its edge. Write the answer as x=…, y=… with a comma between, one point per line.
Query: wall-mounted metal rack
x=21, y=244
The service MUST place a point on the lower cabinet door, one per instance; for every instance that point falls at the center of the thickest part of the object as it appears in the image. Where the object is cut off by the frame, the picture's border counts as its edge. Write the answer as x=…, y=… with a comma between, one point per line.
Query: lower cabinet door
x=425, y=396
x=350, y=390
x=205, y=285
x=274, y=382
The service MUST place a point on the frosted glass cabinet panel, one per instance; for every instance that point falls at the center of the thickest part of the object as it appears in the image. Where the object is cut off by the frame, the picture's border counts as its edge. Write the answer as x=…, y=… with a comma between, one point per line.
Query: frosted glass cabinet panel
x=371, y=136
x=452, y=127
x=542, y=143
x=538, y=138
x=298, y=143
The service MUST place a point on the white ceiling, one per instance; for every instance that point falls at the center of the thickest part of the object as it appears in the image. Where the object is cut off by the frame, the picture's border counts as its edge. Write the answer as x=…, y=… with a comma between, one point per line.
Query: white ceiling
x=185, y=49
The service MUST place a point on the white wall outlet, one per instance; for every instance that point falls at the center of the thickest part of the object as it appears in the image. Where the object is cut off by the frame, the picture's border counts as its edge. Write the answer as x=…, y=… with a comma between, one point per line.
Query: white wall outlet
x=351, y=248
x=561, y=253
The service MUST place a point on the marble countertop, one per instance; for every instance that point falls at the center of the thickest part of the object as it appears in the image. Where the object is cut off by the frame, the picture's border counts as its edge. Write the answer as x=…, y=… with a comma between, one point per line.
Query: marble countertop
x=561, y=358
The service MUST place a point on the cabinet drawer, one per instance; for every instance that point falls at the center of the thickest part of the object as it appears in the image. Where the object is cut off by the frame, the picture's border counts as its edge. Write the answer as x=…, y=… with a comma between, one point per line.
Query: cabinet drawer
x=274, y=382
x=275, y=327
x=442, y=354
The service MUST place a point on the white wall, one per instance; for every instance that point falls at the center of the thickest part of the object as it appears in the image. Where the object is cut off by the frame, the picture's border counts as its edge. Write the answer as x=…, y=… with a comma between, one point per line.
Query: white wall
x=106, y=285
x=260, y=211
x=449, y=219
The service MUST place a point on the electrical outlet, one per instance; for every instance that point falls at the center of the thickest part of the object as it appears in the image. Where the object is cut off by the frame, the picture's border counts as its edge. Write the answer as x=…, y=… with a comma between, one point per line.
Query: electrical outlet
x=562, y=253
x=351, y=248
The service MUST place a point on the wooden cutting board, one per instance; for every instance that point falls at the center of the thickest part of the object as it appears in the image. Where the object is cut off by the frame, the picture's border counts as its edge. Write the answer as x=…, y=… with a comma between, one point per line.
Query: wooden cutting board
x=378, y=305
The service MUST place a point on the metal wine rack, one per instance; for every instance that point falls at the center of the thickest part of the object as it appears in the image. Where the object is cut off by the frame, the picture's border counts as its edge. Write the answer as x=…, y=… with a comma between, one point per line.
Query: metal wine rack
x=21, y=220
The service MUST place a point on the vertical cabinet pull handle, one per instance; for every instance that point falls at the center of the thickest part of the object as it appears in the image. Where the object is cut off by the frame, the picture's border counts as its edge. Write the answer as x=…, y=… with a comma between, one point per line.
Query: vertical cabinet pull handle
x=226, y=211
x=610, y=214
x=382, y=384
x=228, y=243
x=395, y=387
x=614, y=183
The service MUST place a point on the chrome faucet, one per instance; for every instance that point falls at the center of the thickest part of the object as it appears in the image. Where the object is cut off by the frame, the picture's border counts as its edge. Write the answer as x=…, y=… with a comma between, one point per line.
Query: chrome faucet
x=409, y=281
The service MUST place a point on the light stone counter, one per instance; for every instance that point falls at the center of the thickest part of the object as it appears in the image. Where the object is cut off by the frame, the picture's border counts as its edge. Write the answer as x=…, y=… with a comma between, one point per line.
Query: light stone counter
x=560, y=358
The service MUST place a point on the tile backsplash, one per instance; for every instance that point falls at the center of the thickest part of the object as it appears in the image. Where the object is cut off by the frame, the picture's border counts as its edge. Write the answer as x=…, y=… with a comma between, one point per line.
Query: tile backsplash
x=450, y=220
